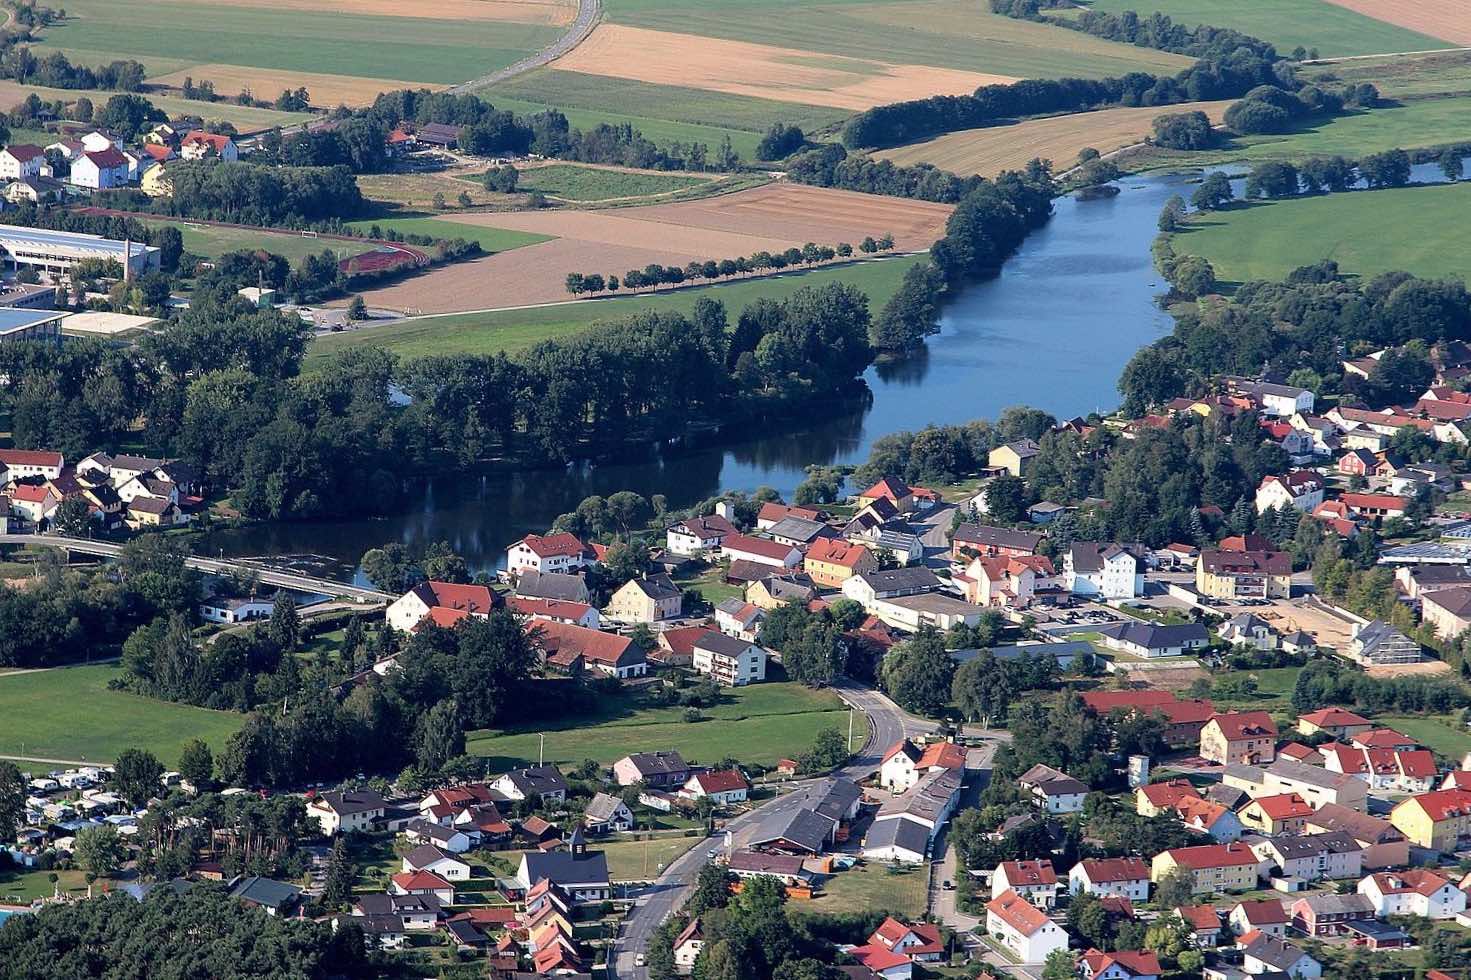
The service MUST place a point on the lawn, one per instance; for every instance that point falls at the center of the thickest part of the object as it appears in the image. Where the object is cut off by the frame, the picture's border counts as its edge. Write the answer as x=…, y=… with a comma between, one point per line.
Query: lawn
x=1333, y=30
x=712, y=585
x=959, y=34
x=23, y=887
x=1267, y=240
x=758, y=724
x=516, y=330
x=575, y=183
x=69, y=713
x=293, y=37
x=633, y=860
x=1438, y=732
x=871, y=886
x=490, y=239
x=212, y=241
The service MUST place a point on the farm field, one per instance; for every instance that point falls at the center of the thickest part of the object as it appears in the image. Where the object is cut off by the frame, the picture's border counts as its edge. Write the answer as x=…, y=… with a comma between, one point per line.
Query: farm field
x=1448, y=19
x=348, y=51
x=244, y=118
x=490, y=239
x=1266, y=240
x=771, y=218
x=954, y=34
x=69, y=713
x=575, y=183
x=1397, y=78
x=993, y=149
x=758, y=724
x=1335, y=27
x=516, y=330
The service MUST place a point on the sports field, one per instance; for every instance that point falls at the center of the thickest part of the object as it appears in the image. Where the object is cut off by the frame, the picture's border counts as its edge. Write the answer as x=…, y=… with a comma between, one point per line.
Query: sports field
x=770, y=218
x=1057, y=138
x=573, y=183
x=517, y=330
x=1268, y=240
x=490, y=239
x=345, y=51
x=757, y=724
x=69, y=713
x=246, y=119
x=1335, y=27
x=211, y=241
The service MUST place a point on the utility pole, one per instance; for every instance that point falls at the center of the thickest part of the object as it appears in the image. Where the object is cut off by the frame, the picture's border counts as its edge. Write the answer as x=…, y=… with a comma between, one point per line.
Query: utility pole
x=850, y=729
x=542, y=751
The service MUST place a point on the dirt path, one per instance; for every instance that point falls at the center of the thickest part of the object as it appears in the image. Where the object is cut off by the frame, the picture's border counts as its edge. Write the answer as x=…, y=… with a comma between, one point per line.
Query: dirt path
x=588, y=12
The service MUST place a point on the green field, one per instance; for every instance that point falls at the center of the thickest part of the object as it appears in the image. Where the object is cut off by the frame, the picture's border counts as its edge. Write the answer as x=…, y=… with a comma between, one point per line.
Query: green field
x=490, y=239
x=517, y=330
x=960, y=34
x=870, y=886
x=439, y=51
x=1398, y=78
x=631, y=860
x=575, y=183
x=69, y=713
x=246, y=119
x=1437, y=732
x=1266, y=240
x=212, y=241
x=1333, y=30
x=758, y=724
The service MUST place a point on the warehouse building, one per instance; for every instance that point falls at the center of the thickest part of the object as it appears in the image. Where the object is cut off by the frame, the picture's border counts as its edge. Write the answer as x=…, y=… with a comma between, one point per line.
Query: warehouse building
x=57, y=251
x=17, y=325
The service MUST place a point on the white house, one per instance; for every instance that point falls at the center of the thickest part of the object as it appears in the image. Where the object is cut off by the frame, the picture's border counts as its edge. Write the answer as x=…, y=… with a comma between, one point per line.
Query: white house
x=21, y=160
x=226, y=610
x=1251, y=630
x=100, y=169
x=1109, y=571
x=558, y=552
x=1150, y=641
x=449, y=839
x=1302, y=489
x=199, y=145
x=1126, y=877
x=728, y=659
x=427, y=857
x=1053, y=790
x=1025, y=932
x=687, y=947
x=353, y=811
x=606, y=812
x=763, y=551
x=1284, y=401
x=16, y=464
x=97, y=141
x=1414, y=892
x=1036, y=881
x=1268, y=954
x=719, y=786
x=697, y=536
x=443, y=602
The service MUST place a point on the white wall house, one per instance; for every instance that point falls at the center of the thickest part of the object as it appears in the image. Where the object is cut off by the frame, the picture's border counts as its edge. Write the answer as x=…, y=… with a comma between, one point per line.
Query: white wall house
x=1126, y=877
x=1108, y=571
x=1025, y=932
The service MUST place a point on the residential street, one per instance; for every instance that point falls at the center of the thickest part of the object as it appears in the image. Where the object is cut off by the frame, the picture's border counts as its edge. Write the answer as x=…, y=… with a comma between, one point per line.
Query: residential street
x=888, y=723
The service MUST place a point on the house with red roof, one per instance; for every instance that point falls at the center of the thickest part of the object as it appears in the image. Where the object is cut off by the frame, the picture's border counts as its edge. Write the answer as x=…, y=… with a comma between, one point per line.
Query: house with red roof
x=1153, y=799
x=1125, y=877
x=608, y=653
x=883, y=962
x=1337, y=722
x=1406, y=771
x=762, y=551
x=1417, y=891
x=1028, y=934
x=31, y=502
x=422, y=883
x=1369, y=506
x=1285, y=813
x=1383, y=738
x=1036, y=881
x=1439, y=819
x=555, y=611
x=719, y=786
x=21, y=160
x=17, y=464
x=1210, y=818
x=1298, y=752
x=921, y=941
x=560, y=551
x=1121, y=965
x=904, y=763
x=1248, y=737
x=889, y=488
x=832, y=561
x=201, y=145
x=687, y=947
x=1212, y=867
x=1266, y=916
x=444, y=603
x=100, y=169
x=1204, y=923
x=1301, y=489
x=697, y=535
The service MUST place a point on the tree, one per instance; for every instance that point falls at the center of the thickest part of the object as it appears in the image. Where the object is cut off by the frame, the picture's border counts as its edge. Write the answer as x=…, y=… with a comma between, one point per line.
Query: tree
x=1175, y=889
x=712, y=890
x=1388, y=169
x=136, y=776
x=1451, y=164
x=721, y=961
x=337, y=888
x=1193, y=277
x=99, y=850
x=917, y=673
x=439, y=736
x=1184, y=131
x=197, y=764
x=980, y=689
x=1272, y=179
x=1059, y=966
x=357, y=308
x=502, y=180
x=1213, y=193
x=1007, y=498
x=72, y=517
x=284, y=626
x=12, y=800
x=912, y=313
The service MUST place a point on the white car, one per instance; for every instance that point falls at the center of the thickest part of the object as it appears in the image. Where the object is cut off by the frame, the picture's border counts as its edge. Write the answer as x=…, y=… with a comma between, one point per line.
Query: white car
x=638, y=960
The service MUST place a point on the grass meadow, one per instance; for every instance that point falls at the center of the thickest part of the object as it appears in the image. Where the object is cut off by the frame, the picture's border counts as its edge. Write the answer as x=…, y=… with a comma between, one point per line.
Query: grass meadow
x=516, y=330
x=575, y=183
x=1333, y=30
x=757, y=724
x=1266, y=240
x=69, y=713
x=490, y=239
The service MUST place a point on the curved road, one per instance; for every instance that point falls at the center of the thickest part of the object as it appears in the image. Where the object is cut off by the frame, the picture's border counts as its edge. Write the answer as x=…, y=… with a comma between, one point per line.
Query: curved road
x=588, y=12
x=888, y=723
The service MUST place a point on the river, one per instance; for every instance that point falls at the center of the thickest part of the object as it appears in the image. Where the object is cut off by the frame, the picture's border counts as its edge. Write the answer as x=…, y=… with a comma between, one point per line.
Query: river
x=1052, y=331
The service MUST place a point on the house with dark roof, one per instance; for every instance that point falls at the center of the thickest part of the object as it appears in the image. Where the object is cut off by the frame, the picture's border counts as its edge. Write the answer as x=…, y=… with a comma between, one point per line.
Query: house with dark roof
x=647, y=599
x=1151, y=641
x=971, y=540
x=1104, y=570
x=606, y=813
x=350, y=811
x=580, y=873
x=546, y=782
x=1052, y=790
x=552, y=585
x=657, y=770
x=278, y=898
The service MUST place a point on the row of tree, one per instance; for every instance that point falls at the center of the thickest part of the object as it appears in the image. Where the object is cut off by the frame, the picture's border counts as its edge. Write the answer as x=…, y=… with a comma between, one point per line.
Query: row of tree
x=1273, y=109
x=655, y=275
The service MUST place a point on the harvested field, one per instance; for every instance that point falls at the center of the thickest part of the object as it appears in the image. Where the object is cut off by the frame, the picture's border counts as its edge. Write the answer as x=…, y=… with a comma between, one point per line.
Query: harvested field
x=1449, y=20
x=552, y=12
x=1058, y=138
x=325, y=90
x=761, y=71
x=1428, y=668
x=769, y=218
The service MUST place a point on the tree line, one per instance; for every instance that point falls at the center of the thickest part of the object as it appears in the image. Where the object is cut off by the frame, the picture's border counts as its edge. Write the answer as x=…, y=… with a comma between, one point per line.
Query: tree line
x=655, y=275
x=250, y=193
x=1274, y=109
x=1156, y=31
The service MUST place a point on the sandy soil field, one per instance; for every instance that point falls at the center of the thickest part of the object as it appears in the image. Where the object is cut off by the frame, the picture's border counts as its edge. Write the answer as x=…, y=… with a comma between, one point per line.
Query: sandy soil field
x=1449, y=20
x=266, y=83
x=551, y=12
x=761, y=71
x=989, y=151
x=769, y=218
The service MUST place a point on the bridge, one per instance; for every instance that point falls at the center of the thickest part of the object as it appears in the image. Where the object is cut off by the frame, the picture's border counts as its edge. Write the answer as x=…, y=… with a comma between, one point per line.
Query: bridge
x=213, y=566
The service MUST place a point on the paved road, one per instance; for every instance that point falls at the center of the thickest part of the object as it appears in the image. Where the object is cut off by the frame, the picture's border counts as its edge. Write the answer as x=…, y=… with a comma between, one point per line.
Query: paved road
x=888, y=723
x=282, y=580
x=588, y=12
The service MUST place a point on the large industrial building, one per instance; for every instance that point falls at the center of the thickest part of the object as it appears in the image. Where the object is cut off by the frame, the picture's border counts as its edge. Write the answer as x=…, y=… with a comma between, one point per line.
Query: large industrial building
x=57, y=251
x=30, y=325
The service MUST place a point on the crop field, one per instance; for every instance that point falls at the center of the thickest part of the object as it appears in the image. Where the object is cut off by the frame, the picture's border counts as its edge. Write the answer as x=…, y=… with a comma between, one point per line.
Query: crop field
x=516, y=330
x=756, y=724
x=490, y=239
x=993, y=149
x=244, y=118
x=955, y=34
x=574, y=183
x=1449, y=20
x=1267, y=240
x=769, y=218
x=339, y=51
x=1335, y=27
x=69, y=713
